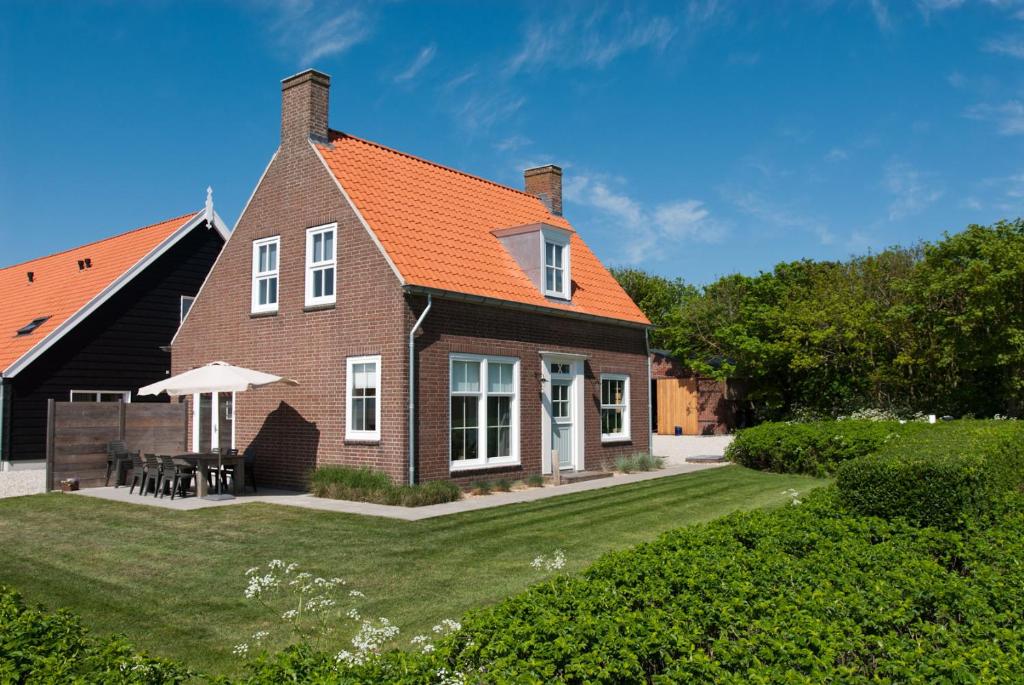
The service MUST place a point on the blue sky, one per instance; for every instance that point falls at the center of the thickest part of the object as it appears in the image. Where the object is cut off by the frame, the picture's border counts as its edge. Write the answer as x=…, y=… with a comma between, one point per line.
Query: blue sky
x=698, y=138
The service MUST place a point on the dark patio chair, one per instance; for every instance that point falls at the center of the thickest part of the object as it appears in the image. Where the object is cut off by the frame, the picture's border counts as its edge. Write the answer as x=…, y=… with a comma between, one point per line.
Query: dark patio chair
x=152, y=475
x=138, y=473
x=116, y=453
x=176, y=474
x=249, y=468
x=225, y=471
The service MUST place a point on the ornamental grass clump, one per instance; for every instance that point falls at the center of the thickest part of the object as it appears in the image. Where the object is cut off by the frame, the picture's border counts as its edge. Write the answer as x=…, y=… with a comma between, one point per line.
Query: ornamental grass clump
x=366, y=485
x=638, y=461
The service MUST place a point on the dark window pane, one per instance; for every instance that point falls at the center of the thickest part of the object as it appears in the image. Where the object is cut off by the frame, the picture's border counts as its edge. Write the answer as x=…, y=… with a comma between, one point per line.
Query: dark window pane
x=370, y=409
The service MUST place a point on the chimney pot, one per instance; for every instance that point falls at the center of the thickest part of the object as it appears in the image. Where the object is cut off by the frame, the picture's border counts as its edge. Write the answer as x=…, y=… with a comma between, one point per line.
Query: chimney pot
x=304, y=107
x=545, y=182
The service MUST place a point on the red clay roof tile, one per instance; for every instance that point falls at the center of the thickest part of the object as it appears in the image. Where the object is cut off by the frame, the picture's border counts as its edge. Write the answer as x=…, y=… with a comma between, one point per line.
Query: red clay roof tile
x=435, y=225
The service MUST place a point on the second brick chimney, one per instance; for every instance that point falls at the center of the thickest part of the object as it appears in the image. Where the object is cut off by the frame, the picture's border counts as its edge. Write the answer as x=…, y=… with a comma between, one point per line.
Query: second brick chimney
x=304, y=107
x=546, y=183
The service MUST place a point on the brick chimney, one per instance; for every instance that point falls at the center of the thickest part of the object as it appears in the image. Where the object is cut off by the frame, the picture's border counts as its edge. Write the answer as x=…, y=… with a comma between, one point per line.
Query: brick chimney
x=304, y=107
x=546, y=183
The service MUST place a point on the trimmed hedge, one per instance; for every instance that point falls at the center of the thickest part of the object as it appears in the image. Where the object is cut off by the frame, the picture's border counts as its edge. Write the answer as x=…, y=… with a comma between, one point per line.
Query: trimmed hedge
x=816, y=448
x=39, y=647
x=940, y=477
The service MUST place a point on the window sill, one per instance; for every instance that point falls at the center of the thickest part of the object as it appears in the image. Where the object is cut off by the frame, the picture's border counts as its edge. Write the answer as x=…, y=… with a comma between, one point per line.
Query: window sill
x=318, y=307
x=358, y=440
x=453, y=468
x=262, y=315
x=612, y=439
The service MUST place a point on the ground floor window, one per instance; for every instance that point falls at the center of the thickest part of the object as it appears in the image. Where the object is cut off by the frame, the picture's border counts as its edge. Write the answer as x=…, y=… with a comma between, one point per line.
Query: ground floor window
x=363, y=398
x=614, y=406
x=484, y=406
x=101, y=396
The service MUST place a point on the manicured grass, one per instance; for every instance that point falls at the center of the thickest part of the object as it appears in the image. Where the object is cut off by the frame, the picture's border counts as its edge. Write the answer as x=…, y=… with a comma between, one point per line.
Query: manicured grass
x=172, y=581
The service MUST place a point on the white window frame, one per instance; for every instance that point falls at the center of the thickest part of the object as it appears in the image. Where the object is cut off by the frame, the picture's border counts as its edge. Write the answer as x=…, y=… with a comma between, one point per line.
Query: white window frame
x=182, y=313
x=312, y=267
x=482, y=461
x=125, y=394
x=625, y=407
x=562, y=239
x=258, y=276
x=351, y=434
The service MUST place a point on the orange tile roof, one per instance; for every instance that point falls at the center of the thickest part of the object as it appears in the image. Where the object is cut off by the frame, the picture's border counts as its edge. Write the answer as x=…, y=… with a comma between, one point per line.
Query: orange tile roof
x=59, y=288
x=435, y=224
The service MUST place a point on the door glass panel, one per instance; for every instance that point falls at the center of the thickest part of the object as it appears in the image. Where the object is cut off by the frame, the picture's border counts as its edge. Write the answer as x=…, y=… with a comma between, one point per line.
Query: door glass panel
x=225, y=419
x=205, y=418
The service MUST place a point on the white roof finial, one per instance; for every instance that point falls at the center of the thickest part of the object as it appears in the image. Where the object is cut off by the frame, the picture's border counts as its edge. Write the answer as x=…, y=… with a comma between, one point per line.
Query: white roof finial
x=209, y=204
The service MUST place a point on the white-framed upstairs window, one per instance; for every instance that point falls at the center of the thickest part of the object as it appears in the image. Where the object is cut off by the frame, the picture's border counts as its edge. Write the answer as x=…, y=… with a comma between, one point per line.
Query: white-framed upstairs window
x=321, y=260
x=484, y=416
x=362, y=399
x=614, y=407
x=557, y=278
x=185, y=306
x=265, y=261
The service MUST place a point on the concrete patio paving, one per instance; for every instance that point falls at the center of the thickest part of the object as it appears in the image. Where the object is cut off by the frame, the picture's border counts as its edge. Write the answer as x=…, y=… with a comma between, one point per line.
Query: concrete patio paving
x=308, y=501
x=676, y=449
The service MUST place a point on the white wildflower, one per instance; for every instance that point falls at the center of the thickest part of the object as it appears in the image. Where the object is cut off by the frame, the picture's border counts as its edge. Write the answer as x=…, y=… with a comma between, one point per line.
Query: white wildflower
x=241, y=650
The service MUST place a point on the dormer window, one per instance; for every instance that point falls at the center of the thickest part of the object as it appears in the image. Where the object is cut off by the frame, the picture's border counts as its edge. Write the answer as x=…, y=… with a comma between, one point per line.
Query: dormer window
x=557, y=282
x=542, y=252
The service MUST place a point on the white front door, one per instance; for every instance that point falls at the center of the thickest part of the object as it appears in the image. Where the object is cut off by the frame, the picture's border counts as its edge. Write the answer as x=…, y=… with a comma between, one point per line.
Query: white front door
x=561, y=422
x=563, y=412
x=213, y=421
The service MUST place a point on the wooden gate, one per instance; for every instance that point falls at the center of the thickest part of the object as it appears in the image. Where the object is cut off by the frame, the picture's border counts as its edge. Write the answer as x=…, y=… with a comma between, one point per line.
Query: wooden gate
x=677, y=406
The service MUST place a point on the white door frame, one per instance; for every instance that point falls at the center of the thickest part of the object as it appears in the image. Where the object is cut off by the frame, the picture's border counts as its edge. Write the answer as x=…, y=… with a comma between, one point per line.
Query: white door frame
x=575, y=362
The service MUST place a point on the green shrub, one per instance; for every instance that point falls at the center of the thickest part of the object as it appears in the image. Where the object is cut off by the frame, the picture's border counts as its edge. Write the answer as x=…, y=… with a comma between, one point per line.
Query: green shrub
x=37, y=646
x=503, y=485
x=939, y=477
x=535, y=480
x=482, y=487
x=816, y=448
x=638, y=461
x=366, y=485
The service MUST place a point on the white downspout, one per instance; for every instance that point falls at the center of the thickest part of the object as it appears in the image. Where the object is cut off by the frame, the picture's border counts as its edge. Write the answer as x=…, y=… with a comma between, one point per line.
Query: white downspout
x=412, y=391
x=650, y=418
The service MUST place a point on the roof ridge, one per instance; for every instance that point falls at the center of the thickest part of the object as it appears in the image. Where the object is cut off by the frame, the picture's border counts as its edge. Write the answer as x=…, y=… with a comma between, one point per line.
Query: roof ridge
x=101, y=240
x=433, y=163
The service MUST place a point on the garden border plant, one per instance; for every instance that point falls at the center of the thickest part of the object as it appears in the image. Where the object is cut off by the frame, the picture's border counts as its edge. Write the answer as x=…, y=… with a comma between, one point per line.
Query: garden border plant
x=366, y=485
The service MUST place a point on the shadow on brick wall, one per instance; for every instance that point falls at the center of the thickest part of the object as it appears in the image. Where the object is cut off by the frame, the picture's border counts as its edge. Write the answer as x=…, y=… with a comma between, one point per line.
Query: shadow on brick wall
x=286, y=447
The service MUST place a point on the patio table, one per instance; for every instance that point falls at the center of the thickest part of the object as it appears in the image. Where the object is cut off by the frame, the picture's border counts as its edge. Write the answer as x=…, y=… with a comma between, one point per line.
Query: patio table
x=205, y=461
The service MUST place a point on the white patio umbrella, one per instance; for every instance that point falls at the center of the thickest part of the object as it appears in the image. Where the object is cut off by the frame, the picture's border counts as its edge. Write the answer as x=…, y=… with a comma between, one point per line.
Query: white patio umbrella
x=214, y=377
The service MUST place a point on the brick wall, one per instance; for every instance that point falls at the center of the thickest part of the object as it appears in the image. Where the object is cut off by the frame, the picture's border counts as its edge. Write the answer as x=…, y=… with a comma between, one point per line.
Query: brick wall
x=294, y=428
x=453, y=327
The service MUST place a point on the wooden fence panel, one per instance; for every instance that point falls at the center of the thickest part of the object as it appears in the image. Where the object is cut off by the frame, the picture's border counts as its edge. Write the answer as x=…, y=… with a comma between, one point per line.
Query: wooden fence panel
x=78, y=434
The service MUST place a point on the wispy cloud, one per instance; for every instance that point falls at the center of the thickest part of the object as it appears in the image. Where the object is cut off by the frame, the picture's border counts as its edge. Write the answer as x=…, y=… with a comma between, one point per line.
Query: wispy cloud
x=912, y=191
x=594, y=39
x=315, y=30
x=777, y=214
x=481, y=110
x=1012, y=46
x=645, y=226
x=836, y=154
x=1008, y=116
x=460, y=79
x=512, y=143
x=881, y=12
x=423, y=58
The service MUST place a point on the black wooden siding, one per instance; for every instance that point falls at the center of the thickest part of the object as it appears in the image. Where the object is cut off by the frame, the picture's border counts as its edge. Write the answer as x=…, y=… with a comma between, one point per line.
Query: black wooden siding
x=115, y=348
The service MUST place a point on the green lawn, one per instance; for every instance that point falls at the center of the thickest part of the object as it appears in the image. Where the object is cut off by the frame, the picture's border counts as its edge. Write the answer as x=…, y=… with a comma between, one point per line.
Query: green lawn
x=172, y=581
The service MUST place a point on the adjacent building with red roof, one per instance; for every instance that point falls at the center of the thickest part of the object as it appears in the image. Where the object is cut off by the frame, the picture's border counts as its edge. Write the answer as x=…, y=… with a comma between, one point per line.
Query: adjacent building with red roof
x=93, y=323
x=440, y=325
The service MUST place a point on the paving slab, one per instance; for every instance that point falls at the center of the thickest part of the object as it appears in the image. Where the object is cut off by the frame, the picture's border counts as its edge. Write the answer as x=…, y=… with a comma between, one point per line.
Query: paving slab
x=307, y=501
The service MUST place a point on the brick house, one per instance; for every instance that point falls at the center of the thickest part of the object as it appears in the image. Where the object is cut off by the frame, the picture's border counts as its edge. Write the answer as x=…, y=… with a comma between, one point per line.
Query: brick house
x=92, y=323
x=440, y=326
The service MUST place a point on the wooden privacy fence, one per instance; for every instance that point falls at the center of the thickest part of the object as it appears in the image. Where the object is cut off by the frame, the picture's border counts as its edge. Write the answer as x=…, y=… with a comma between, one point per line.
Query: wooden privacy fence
x=77, y=434
x=677, y=405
